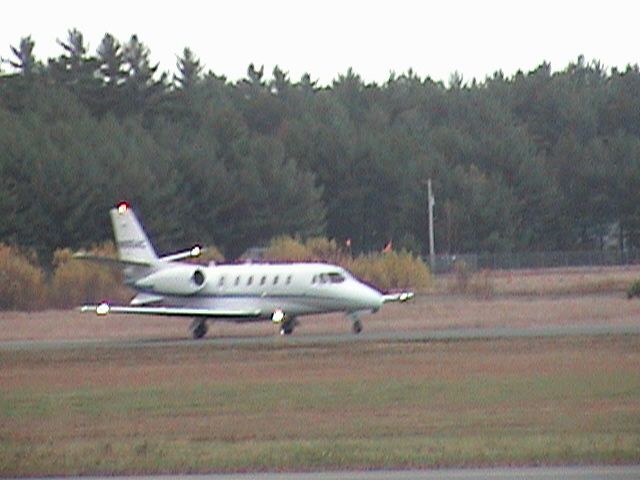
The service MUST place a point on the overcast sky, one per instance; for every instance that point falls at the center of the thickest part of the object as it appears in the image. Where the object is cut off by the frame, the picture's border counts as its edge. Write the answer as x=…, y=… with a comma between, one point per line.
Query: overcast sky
x=326, y=37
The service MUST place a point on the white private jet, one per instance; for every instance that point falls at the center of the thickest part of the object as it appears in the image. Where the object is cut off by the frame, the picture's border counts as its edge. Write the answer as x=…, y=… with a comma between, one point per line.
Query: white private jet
x=231, y=292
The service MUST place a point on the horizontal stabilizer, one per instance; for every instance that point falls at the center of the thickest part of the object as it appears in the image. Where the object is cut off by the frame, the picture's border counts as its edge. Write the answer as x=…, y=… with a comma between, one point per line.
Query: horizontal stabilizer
x=397, y=297
x=104, y=309
x=193, y=252
x=109, y=261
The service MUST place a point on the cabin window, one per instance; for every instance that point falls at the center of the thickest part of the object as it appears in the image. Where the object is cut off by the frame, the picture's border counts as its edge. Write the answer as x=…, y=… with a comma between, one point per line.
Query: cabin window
x=323, y=278
x=288, y=279
x=275, y=280
x=263, y=280
x=314, y=279
x=237, y=282
x=221, y=282
x=335, y=277
x=250, y=280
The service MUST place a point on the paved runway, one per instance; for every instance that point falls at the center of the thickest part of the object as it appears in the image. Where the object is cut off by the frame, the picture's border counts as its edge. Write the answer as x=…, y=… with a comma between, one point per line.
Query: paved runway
x=301, y=339
x=546, y=473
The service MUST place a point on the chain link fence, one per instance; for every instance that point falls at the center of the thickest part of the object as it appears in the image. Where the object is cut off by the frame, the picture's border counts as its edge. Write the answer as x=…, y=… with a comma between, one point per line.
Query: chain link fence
x=534, y=260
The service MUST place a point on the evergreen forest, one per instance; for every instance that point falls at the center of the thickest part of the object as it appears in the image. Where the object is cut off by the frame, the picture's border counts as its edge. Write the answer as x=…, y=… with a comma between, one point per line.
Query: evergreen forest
x=542, y=160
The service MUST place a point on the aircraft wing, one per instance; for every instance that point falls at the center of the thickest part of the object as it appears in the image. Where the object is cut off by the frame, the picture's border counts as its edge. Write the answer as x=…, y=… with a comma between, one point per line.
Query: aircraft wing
x=397, y=297
x=104, y=309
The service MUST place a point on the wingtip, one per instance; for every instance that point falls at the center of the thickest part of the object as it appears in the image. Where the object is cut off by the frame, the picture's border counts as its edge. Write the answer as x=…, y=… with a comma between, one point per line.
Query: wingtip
x=101, y=309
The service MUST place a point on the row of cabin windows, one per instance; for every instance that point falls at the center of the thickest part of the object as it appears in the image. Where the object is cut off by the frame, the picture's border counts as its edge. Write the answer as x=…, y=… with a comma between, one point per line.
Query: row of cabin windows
x=263, y=280
x=332, y=277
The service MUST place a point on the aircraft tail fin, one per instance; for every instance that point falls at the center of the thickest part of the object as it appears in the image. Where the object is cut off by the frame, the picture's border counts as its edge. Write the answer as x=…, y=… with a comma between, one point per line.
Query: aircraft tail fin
x=131, y=241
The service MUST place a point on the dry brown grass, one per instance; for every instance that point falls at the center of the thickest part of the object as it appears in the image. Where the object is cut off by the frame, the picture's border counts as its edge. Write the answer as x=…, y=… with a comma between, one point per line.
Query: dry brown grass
x=562, y=281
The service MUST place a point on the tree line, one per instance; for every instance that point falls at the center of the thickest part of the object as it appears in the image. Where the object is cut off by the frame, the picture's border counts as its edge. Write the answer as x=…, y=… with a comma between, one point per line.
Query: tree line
x=540, y=160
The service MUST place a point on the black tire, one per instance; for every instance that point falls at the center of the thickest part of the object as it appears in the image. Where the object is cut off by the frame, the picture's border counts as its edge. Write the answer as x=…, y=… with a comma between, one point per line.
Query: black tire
x=287, y=326
x=200, y=330
x=356, y=327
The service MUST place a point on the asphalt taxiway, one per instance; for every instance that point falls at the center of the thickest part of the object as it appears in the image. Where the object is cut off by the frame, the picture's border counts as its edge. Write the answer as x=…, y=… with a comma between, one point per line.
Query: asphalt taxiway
x=418, y=336
x=539, y=473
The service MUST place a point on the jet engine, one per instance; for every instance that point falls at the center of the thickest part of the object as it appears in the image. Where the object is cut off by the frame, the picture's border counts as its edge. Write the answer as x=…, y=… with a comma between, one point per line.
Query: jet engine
x=177, y=280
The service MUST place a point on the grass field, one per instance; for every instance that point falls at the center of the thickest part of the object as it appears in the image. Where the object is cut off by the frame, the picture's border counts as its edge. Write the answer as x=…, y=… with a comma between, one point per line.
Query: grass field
x=209, y=408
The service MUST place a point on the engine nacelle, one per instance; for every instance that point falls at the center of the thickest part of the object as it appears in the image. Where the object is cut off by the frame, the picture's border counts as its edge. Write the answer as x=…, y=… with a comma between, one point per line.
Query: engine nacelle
x=177, y=280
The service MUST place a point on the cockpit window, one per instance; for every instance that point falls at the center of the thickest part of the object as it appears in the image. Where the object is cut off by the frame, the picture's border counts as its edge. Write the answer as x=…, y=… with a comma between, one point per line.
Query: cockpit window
x=335, y=277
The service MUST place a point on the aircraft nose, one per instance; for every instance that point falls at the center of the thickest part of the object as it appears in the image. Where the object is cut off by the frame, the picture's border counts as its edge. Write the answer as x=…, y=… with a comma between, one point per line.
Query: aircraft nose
x=370, y=298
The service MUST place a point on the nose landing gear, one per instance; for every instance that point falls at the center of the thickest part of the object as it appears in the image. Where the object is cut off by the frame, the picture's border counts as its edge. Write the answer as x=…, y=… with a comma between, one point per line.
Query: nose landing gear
x=356, y=326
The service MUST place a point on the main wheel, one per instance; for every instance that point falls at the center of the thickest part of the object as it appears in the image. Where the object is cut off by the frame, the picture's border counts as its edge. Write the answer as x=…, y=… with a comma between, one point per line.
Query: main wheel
x=286, y=329
x=199, y=328
x=288, y=326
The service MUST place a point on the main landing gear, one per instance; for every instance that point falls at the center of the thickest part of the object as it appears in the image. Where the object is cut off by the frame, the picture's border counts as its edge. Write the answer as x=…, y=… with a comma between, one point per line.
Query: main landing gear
x=288, y=325
x=199, y=327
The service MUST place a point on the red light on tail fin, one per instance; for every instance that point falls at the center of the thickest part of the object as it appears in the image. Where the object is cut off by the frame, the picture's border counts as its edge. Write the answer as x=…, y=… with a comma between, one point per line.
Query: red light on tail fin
x=123, y=207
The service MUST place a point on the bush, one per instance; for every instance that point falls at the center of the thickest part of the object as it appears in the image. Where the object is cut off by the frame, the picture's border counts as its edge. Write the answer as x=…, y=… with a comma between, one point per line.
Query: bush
x=21, y=282
x=393, y=270
x=314, y=249
x=287, y=249
x=324, y=250
x=634, y=290
x=371, y=269
x=75, y=282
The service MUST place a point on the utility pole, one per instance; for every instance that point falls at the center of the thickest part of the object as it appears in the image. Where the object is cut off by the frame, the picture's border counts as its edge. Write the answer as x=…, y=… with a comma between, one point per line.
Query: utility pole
x=431, y=202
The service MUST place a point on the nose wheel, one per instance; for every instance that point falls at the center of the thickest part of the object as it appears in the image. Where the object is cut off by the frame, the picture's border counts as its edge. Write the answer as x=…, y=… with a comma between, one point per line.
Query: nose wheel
x=356, y=327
